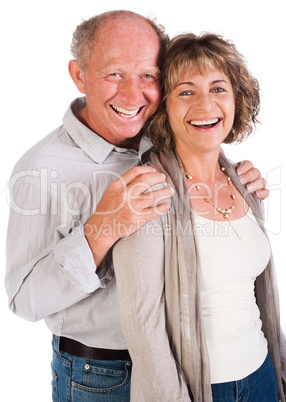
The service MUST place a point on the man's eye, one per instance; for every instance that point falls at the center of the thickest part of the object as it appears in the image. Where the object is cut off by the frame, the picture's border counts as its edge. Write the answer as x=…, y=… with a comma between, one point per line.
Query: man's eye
x=150, y=77
x=114, y=76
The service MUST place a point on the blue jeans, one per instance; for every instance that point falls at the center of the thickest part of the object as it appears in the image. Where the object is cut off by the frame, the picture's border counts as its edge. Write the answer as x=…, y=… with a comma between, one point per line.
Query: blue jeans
x=260, y=386
x=79, y=380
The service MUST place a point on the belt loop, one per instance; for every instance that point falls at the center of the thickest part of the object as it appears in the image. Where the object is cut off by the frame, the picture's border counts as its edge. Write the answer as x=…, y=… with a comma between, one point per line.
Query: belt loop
x=56, y=343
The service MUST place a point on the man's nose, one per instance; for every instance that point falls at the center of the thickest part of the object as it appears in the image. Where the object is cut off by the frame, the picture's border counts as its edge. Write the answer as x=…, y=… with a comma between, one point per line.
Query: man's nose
x=131, y=89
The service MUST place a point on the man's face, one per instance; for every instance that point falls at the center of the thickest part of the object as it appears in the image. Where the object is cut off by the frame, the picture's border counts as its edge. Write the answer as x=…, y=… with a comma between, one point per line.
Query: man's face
x=121, y=82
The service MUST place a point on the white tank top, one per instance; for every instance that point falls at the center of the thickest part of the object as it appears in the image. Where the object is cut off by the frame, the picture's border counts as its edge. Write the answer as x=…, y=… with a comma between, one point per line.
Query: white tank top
x=228, y=269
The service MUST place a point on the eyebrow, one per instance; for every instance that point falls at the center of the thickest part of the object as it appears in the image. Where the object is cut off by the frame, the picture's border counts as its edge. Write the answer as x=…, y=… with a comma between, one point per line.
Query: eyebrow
x=193, y=84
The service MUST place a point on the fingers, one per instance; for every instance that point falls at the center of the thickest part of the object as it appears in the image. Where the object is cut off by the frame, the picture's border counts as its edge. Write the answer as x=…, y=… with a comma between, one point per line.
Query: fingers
x=142, y=204
x=244, y=167
x=138, y=180
x=262, y=194
x=252, y=176
x=256, y=185
x=144, y=183
x=132, y=194
x=134, y=173
x=247, y=173
x=153, y=213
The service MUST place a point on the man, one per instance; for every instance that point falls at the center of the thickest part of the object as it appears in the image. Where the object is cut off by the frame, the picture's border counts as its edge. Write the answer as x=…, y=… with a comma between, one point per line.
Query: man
x=79, y=190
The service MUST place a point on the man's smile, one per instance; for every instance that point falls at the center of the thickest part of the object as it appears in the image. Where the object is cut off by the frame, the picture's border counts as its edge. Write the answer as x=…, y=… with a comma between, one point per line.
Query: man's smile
x=125, y=112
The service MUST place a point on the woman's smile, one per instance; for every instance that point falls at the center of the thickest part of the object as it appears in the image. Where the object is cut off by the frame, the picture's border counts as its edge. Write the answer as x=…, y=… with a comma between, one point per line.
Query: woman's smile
x=205, y=124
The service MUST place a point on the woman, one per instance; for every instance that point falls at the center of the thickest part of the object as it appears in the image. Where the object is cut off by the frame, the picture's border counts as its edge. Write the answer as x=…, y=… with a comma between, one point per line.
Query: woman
x=197, y=296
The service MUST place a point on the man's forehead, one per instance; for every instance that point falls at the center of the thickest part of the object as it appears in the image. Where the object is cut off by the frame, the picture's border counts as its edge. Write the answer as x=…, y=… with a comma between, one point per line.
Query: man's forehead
x=125, y=21
x=126, y=49
x=125, y=65
x=125, y=29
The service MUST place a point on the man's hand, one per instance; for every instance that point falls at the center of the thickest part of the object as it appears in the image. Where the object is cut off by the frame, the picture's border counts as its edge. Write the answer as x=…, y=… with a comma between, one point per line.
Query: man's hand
x=252, y=178
x=125, y=206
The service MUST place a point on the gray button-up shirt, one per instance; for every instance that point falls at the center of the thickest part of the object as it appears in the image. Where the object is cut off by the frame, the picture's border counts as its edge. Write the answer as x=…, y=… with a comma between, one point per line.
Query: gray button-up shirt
x=51, y=274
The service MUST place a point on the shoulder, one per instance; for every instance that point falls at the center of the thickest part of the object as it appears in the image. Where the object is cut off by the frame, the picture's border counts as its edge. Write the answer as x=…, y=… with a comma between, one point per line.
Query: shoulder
x=31, y=159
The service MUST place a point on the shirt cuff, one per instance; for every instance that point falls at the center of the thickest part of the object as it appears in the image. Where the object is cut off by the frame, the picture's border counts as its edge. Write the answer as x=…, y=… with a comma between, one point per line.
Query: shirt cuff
x=74, y=255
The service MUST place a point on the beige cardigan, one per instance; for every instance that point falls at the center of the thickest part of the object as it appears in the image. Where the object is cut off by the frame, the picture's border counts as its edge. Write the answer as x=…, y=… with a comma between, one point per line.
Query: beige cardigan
x=158, y=288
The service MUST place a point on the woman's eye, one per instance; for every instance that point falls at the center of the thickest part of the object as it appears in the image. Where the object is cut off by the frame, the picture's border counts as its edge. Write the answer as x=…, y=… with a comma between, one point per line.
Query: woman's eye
x=185, y=93
x=218, y=90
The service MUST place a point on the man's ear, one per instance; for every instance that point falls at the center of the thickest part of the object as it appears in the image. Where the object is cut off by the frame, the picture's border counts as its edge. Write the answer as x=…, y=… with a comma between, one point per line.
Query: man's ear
x=77, y=75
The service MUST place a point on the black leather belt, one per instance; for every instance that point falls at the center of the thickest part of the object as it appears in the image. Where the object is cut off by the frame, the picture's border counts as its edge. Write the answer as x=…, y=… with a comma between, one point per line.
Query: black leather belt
x=78, y=349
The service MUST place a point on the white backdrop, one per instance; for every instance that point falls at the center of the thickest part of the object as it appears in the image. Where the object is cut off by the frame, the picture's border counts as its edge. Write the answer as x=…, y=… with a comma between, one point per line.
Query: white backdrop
x=36, y=91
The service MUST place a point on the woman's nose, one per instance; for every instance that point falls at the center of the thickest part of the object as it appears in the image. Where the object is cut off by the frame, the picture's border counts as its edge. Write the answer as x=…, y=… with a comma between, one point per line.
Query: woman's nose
x=205, y=102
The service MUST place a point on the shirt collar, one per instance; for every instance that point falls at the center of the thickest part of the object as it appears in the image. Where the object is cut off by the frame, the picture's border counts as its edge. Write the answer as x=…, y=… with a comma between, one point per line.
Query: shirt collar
x=91, y=143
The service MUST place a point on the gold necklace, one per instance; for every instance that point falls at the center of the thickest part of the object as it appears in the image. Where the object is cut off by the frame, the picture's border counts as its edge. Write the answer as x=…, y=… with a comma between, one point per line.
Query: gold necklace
x=224, y=212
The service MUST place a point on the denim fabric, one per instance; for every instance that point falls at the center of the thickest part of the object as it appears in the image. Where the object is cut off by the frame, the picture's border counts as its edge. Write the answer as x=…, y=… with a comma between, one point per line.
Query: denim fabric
x=260, y=386
x=79, y=380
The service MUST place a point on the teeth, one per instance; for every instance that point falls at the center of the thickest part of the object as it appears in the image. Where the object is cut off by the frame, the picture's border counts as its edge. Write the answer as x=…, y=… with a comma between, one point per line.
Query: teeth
x=203, y=122
x=125, y=112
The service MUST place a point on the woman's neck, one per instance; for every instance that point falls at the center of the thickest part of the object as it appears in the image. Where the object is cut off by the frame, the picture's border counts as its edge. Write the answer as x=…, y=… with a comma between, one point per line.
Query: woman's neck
x=203, y=167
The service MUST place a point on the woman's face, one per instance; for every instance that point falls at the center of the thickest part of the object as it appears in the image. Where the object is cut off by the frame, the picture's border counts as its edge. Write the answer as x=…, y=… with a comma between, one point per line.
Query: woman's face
x=201, y=111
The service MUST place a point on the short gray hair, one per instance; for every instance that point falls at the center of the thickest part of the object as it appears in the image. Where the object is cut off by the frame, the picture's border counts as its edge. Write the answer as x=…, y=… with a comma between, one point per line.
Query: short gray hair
x=84, y=35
